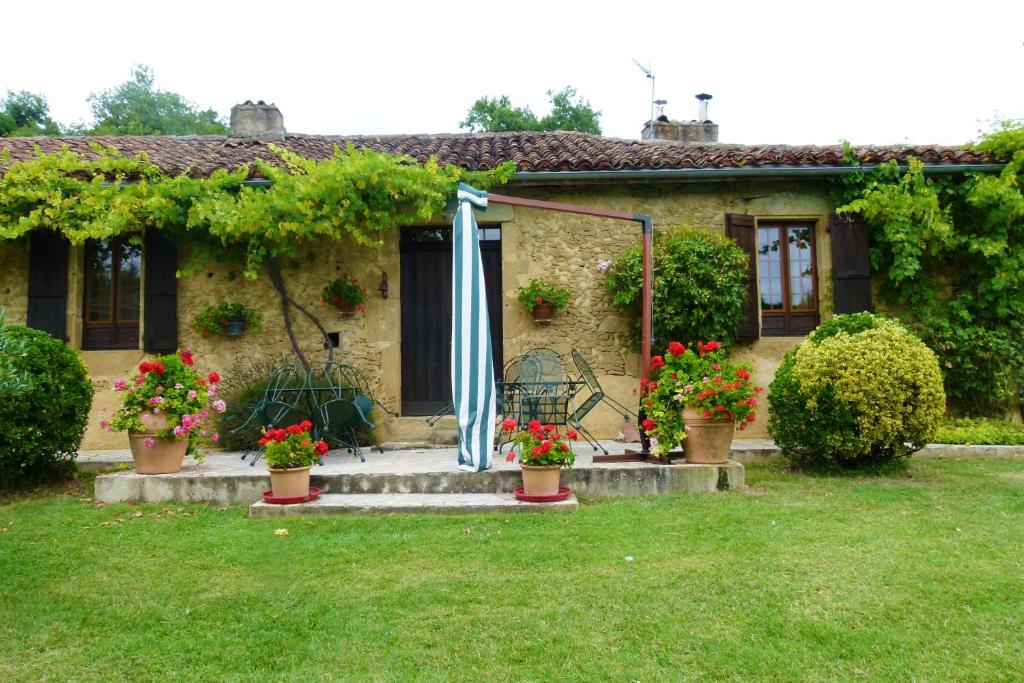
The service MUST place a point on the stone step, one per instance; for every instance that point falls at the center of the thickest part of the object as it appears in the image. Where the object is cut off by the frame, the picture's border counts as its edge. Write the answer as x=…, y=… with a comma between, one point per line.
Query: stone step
x=418, y=503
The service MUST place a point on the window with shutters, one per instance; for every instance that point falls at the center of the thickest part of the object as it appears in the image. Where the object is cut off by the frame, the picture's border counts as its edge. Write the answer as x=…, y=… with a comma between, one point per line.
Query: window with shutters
x=113, y=287
x=787, y=278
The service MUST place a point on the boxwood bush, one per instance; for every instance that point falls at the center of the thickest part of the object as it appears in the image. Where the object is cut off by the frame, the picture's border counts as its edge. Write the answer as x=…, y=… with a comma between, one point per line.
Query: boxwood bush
x=860, y=390
x=45, y=396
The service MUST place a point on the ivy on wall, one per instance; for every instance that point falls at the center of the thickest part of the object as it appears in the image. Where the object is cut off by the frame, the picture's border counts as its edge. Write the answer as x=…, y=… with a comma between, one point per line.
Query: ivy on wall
x=358, y=195
x=949, y=256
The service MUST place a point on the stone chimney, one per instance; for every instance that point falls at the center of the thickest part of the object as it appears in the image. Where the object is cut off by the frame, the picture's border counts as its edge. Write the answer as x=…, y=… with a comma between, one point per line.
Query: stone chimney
x=260, y=120
x=700, y=130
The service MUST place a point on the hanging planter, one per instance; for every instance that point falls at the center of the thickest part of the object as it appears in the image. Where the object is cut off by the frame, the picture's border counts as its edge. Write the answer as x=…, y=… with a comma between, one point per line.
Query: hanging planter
x=227, y=319
x=346, y=294
x=543, y=298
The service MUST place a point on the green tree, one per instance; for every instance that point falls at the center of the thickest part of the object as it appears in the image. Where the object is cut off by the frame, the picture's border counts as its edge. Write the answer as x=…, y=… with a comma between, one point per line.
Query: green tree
x=135, y=107
x=568, y=112
x=25, y=113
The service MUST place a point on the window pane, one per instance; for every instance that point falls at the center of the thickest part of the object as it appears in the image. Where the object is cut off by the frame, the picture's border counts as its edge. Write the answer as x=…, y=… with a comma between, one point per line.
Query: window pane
x=769, y=267
x=128, y=283
x=801, y=269
x=98, y=265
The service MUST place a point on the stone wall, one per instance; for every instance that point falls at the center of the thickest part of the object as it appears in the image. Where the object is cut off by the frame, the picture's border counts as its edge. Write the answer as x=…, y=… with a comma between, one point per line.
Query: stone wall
x=14, y=279
x=558, y=246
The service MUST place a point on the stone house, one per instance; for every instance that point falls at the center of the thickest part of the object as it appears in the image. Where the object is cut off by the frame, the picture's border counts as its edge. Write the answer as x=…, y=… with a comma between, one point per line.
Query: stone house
x=757, y=194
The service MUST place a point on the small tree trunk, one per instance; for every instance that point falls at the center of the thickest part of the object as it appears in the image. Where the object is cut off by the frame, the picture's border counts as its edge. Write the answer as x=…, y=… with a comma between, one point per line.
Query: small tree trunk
x=277, y=280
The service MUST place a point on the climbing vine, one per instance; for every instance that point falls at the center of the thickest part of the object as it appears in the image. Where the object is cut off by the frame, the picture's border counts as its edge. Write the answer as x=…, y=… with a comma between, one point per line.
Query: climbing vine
x=949, y=251
x=358, y=195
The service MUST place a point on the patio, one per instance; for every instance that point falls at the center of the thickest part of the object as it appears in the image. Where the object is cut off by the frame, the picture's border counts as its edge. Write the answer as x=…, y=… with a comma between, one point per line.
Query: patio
x=223, y=478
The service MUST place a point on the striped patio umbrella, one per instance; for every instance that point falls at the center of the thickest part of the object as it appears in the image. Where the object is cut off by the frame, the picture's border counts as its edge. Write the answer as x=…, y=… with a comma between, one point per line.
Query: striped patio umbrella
x=472, y=366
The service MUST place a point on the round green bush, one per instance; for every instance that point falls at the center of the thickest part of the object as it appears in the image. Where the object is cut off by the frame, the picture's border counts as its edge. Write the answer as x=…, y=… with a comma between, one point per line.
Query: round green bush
x=699, y=286
x=861, y=390
x=45, y=397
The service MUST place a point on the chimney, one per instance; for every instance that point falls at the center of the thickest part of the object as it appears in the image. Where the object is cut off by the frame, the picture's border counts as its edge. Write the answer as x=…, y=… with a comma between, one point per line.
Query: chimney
x=702, y=108
x=260, y=120
x=699, y=131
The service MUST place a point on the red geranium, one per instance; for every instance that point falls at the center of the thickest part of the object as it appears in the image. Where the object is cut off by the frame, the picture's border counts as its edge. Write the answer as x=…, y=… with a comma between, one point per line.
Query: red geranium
x=676, y=349
x=648, y=425
x=213, y=377
x=186, y=357
x=657, y=363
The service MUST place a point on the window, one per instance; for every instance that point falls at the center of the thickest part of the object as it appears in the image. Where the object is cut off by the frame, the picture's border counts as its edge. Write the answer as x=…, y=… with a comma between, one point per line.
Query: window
x=787, y=278
x=113, y=279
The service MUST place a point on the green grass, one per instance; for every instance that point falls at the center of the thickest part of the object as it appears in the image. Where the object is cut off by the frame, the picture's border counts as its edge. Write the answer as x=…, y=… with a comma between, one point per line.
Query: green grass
x=980, y=430
x=914, y=576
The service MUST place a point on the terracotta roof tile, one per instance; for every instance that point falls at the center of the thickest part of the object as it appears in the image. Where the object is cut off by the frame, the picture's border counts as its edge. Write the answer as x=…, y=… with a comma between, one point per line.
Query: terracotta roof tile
x=558, y=151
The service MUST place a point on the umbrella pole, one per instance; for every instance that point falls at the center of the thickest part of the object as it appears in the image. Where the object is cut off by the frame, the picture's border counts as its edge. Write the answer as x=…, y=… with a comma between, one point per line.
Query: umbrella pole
x=647, y=296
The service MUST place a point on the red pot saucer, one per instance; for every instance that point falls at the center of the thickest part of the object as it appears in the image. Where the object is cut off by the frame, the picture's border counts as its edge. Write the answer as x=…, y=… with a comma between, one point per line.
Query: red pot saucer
x=268, y=497
x=563, y=493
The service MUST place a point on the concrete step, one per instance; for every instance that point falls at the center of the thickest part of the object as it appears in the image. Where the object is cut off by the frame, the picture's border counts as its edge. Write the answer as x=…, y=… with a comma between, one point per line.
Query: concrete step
x=418, y=503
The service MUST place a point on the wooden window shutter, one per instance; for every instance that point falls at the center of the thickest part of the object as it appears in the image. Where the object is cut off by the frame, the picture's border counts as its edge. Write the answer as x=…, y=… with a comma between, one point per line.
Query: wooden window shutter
x=48, y=283
x=851, y=264
x=160, y=324
x=740, y=227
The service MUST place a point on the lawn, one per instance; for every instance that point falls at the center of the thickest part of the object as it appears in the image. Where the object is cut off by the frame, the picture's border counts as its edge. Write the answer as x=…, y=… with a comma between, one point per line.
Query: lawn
x=915, y=576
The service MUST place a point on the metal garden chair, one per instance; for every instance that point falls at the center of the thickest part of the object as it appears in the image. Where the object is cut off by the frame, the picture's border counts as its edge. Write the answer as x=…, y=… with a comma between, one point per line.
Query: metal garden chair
x=596, y=396
x=342, y=407
x=281, y=403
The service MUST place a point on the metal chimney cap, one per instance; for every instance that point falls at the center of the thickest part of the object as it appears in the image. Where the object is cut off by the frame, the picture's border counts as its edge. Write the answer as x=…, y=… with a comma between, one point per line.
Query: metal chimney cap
x=703, y=97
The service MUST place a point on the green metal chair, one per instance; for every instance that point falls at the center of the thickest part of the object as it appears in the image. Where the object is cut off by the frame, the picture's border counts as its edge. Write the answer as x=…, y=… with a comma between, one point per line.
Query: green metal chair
x=282, y=403
x=596, y=396
x=342, y=408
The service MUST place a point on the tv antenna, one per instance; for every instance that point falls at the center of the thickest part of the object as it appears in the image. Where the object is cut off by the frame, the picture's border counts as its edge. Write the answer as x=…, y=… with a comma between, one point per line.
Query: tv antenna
x=647, y=72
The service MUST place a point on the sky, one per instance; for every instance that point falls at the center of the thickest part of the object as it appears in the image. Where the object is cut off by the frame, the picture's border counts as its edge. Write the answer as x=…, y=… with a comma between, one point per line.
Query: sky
x=780, y=72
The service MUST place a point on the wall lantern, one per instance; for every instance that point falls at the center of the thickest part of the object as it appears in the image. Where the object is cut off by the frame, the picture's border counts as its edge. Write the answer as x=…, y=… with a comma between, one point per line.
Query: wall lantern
x=383, y=287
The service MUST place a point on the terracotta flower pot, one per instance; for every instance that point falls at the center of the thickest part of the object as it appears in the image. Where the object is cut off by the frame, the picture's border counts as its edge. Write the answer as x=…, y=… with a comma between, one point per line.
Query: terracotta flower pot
x=707, y=441
x=346, y=307
x=290, y=483
x=541, y=481
x=542, y=314
x=163, y=457
x=153, y=422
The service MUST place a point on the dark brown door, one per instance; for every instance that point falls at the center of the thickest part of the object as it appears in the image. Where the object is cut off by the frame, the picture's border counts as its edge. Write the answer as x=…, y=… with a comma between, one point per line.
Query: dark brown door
x=426, y=293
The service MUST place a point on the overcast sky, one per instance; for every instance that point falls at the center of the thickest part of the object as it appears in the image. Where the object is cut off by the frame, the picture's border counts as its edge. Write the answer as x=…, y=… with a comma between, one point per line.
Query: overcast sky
x=780, y=72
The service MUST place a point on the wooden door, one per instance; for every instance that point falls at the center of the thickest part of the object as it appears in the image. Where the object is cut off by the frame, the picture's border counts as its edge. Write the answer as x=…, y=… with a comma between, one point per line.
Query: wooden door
x=426, y=293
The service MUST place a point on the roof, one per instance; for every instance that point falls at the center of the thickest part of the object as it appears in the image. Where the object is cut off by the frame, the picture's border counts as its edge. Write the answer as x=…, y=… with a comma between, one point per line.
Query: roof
x=531, y=151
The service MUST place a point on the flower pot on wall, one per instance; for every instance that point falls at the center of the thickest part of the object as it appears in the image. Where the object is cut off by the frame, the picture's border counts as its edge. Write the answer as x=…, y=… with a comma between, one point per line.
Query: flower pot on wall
x=290, y=483
x=347, y=308
x=707, y=441
x=541, y=481
x=542, y=313
x=234, y=328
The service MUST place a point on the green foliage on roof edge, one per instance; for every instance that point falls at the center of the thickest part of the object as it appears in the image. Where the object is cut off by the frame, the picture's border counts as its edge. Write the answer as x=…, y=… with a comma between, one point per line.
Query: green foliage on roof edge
x=948, y=254
x=355, y=194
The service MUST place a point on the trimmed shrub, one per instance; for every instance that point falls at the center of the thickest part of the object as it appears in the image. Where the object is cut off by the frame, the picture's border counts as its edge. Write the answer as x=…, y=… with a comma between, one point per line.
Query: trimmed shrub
x=861, y=390
x=699, y=286
x=45, y=397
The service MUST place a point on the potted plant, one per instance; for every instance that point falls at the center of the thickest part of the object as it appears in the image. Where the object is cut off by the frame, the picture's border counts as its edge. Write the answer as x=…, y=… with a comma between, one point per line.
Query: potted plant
x=346, y=294
x=543, y=298
x=290, y=453
x=698, y=398
x=542, y=455
x=166, y=410
x=228, y=319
